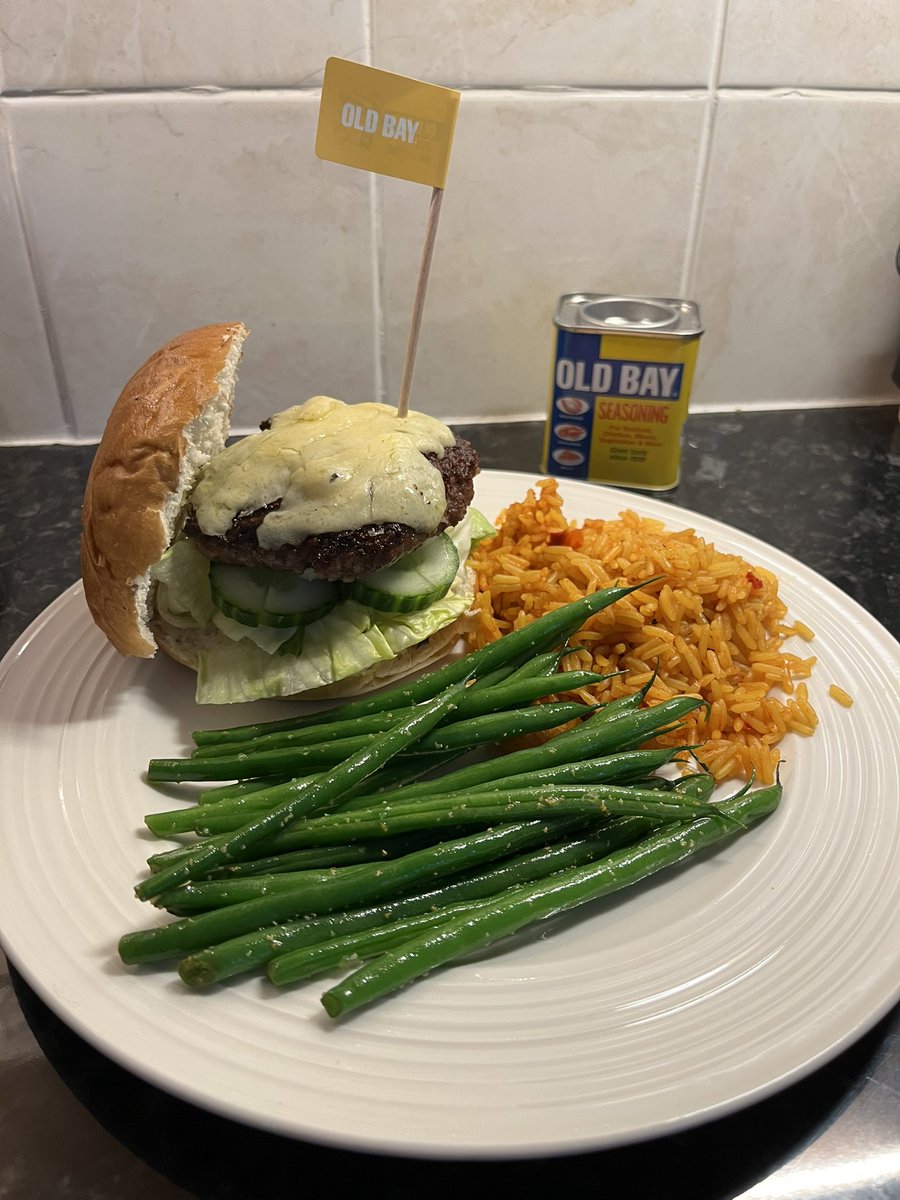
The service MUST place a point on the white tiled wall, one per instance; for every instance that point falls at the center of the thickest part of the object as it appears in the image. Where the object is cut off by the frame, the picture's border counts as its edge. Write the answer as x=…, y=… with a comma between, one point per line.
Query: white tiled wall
x=152, y=214
x=157, y=171
x=585, y=167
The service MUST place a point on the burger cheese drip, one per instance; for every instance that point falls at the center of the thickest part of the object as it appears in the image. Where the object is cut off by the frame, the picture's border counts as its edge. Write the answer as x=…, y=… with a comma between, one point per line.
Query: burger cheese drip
x=332, y=466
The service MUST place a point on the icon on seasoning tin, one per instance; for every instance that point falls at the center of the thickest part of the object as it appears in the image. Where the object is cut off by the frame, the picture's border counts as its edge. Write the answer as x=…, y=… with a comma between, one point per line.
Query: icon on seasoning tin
x=572, y=406
x=570, y=433
x=566, y=457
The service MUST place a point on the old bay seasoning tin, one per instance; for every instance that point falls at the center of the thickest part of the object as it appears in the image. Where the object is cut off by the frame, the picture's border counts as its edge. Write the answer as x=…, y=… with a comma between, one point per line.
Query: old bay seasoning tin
x=620, y=388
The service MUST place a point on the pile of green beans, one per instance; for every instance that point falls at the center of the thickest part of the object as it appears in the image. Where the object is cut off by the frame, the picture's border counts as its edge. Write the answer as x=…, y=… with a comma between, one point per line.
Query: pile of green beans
x=346, y=835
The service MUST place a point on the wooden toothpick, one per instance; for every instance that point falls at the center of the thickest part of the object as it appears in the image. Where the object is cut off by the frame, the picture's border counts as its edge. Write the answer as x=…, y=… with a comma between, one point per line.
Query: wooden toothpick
x=434, y=211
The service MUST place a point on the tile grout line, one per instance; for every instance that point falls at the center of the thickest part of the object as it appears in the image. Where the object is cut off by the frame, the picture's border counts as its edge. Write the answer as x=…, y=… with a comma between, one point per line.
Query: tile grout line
x=67, y=409
x=698, y=205
x=549, y=91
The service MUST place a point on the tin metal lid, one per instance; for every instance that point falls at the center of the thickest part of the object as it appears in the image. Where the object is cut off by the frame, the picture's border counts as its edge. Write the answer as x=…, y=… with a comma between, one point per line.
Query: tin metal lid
x=584, y=312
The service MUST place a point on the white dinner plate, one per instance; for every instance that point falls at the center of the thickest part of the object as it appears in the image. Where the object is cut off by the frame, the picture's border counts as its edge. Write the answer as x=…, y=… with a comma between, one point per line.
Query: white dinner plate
x=689, y=997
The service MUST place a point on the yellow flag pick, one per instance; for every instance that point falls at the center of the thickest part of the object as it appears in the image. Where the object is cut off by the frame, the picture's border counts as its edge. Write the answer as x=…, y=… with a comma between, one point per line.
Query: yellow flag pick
x=386, y=123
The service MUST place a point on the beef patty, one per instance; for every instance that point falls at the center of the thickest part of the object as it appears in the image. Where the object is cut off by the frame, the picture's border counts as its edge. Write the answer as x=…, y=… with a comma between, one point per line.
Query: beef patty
x=349, y=553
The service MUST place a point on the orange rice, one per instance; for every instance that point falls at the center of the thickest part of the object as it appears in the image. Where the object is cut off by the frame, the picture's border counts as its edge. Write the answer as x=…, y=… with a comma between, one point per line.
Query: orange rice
x=714, y=625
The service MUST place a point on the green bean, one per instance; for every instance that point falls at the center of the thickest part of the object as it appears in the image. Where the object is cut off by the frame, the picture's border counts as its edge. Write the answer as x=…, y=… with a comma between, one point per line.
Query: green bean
x=307, y=796
x=506, y=671
x=512, y=693
x=204, y=896
x=534, y=666
x=326, y=716
x=597, y=736
x=248, y=951
x=522, y=906
x=625, y=766
x=459, y=735
x=397, y=772
x=485, y=808
x=548, y=630
x=301, y=957
x=457, y=812
x=315, y=857
x=404, y=771
x=300, y=859
x=621, y=706
x=327, y=891
x=594, y=737
x=303, y=963
x=244, y=765
x=242, y=862
x=409, y=768
x=700, y=785
x=473, y=807
x=684, y=799
x=529, y=681
x=613, y=768
x=243, y=787
x=208, y=820
x=241, y=733
x=474, y=703
x=495, y=727
x=306, y=735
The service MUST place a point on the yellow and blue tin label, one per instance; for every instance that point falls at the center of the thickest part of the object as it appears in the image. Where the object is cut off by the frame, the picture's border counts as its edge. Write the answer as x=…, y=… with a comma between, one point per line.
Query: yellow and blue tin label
x=619, y=395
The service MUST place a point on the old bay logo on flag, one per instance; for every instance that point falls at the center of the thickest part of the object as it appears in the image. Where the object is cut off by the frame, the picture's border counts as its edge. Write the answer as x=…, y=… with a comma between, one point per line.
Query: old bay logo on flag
x=386, y=123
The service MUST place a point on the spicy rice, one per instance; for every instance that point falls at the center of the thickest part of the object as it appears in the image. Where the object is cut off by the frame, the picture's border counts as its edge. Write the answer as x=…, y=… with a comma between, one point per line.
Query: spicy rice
x=714, y=625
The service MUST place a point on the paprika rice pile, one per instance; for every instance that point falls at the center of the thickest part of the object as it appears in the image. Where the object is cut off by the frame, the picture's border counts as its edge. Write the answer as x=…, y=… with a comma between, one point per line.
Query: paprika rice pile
x=714, y=626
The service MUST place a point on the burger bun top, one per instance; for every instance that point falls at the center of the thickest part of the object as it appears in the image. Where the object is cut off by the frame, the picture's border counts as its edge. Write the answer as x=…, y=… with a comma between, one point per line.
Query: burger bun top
x=172, y=417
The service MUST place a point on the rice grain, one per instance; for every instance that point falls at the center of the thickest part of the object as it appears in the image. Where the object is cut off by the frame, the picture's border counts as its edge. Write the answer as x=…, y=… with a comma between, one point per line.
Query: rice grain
x=714, y=627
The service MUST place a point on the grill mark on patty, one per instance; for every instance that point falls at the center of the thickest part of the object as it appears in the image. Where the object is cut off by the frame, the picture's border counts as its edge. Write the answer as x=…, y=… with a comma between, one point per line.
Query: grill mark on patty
x=349, y=553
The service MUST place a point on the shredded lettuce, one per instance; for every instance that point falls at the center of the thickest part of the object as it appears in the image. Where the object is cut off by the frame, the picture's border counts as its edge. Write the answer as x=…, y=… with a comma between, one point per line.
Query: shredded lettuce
x=350, y=639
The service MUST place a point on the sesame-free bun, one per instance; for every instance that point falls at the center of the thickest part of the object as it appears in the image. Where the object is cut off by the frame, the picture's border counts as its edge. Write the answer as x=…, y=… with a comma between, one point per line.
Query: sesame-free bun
x=173, y=415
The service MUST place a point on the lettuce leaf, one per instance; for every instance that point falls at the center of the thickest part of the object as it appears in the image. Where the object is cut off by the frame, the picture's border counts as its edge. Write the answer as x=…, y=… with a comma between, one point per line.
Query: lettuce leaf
x=183, y=596
x=350, y=639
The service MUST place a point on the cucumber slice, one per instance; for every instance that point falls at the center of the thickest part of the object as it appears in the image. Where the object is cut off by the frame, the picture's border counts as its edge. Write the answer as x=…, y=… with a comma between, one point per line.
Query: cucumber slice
x=412, y=582
x=257, y=596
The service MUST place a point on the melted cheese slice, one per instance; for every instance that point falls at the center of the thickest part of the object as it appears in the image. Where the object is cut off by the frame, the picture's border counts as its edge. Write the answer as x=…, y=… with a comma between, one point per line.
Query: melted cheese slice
x=333, y=466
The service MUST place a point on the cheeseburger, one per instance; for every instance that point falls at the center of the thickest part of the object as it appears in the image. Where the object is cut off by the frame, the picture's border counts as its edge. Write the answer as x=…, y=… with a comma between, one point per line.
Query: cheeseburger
x=322, y=556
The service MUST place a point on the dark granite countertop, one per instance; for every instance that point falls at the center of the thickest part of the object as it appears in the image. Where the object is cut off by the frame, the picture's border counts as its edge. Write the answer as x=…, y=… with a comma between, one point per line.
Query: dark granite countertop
x=821, y=485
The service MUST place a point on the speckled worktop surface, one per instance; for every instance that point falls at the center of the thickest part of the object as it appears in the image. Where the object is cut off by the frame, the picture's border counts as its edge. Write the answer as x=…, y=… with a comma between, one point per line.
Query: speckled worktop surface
x=821, y=485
